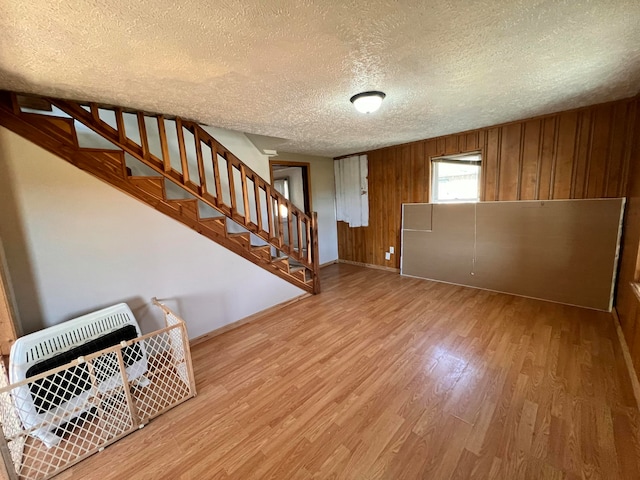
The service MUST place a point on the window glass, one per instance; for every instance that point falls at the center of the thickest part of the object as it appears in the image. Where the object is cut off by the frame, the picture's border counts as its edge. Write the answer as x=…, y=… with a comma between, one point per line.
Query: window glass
x=456, y=179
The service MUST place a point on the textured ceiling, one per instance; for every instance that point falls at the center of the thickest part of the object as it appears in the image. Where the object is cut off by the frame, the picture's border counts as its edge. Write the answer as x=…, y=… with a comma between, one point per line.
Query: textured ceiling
x=287, y=68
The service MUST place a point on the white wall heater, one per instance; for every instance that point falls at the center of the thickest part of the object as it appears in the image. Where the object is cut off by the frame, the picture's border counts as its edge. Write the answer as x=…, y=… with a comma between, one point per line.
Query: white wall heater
x=62, y=397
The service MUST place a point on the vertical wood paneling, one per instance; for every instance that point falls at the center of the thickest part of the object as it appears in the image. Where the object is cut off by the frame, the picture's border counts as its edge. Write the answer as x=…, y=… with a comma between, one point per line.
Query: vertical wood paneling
x=420, y=187
x=600, y=145
x=530, y=158
x=547, y=154
x=564, y=155
x=393, y=238
x=473, y=141
x=509, y=162
x=430, y=151
x=617, y=145
x=627, y=300
x=582, y=158
x=376, y=207
x=491, y=165
x=407, y=181
x=575, y=154
x=451, y=144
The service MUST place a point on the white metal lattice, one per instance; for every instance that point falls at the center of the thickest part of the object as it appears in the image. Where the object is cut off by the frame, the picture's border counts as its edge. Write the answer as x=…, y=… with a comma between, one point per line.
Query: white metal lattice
x=109, y=401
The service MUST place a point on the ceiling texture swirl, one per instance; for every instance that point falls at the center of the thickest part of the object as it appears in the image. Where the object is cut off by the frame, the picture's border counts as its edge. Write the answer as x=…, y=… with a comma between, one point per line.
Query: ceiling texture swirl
x=287, y=68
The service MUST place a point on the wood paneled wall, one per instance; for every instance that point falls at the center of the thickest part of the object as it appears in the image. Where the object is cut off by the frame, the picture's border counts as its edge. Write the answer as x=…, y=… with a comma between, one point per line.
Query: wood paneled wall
x=591, y=152
x=628, y=297
x=582, y=153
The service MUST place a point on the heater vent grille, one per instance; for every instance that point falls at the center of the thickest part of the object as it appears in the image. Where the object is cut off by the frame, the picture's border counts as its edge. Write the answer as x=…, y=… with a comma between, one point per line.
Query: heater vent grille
x=66, y=340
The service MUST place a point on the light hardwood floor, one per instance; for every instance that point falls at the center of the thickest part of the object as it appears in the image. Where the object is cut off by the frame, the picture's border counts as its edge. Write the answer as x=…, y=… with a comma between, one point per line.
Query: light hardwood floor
x=388, y=377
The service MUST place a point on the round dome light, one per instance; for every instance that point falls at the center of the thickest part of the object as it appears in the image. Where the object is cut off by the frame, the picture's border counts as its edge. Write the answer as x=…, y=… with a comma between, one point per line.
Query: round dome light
x=368, y=102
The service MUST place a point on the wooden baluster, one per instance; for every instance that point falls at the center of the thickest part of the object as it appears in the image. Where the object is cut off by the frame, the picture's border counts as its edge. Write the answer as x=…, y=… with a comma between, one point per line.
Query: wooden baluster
x=271, y=223
x=15, y=105
x=144, y=141
x=290, y=227
x=299, y=225
x=122, y=132
x=308, y=242
x=232, y=188
x=94, y=112
x=314, y=247
x=183, y=153
x=164, y=144
x=280, y=222
x=245, y=195
x=216, y=174
x=256, y=193
x=203, y=180
x=122, y=136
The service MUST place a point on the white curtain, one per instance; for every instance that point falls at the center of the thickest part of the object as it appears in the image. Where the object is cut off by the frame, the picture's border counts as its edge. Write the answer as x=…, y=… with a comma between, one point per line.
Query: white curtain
x=352, y=190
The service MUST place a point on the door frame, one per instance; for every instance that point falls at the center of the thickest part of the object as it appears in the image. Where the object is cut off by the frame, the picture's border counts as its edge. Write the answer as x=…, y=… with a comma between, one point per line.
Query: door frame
x=306, y=179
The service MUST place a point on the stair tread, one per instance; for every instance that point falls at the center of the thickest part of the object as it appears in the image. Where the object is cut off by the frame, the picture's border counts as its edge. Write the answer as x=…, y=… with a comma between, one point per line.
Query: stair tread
x=146, y=178
x=30, y=115
x=149, y=185
x=182, y=200
x=60, y=128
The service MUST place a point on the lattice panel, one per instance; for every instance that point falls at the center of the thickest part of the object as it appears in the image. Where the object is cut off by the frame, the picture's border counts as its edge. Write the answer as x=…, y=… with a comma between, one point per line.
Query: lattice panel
x=53, y=420
x=166, y=386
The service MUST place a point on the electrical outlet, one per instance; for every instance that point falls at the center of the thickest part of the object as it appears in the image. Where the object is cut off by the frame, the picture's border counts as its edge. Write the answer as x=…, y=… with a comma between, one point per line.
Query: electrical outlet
x=392, y=250
x=387, y=256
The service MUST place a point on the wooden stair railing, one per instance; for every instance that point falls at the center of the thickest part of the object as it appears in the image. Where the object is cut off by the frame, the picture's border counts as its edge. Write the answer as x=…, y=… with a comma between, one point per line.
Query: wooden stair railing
x=204, y=168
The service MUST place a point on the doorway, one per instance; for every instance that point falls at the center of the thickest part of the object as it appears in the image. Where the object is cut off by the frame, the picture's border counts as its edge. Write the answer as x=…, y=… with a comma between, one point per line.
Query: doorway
x=293, y=180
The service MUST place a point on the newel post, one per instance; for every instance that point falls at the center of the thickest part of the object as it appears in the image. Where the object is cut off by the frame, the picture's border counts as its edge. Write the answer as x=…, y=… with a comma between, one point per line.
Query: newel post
x=314, y=250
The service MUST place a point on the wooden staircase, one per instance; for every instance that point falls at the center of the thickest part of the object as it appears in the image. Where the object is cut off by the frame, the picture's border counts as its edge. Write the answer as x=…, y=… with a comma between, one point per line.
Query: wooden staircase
x=243, y=212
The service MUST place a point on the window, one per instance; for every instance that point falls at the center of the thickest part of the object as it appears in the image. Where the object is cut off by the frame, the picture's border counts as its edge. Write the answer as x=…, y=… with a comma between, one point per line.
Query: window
x=282, y=186
x=456, y=178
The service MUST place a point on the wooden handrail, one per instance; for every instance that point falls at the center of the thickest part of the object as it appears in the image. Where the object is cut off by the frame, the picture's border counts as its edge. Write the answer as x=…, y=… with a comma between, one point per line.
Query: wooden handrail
x=272, y=230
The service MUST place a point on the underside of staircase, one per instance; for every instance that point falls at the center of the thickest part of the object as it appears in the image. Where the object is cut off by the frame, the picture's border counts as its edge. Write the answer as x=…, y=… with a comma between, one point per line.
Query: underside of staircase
x=178, y=168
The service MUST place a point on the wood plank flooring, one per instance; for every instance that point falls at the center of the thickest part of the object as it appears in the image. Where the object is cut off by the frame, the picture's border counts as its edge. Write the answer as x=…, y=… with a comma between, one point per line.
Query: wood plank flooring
x=387, y=377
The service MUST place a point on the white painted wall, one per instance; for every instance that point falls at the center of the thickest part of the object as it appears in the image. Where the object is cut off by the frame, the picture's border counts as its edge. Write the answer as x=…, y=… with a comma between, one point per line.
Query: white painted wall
x=241, y=147
x=75, y=244
x=296, y=184
x=323, y=199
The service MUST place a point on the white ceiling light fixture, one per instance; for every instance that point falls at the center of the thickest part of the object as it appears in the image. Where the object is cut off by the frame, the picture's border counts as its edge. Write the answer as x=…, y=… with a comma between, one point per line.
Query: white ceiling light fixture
x=367, y=102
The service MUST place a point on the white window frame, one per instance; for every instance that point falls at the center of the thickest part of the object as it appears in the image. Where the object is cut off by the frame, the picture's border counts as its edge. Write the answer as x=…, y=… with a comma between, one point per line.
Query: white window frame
x=468, y=158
